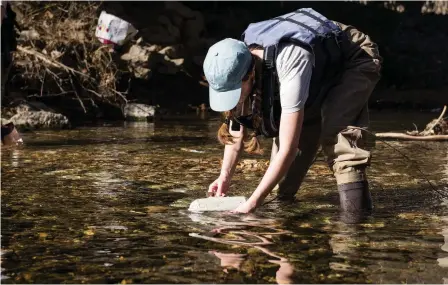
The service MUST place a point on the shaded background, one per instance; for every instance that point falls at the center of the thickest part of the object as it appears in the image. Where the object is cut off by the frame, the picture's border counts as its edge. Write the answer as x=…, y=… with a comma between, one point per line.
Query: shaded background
x=163, y=64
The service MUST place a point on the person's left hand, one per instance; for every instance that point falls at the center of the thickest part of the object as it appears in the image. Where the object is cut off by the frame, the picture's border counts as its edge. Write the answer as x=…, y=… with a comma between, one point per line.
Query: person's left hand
x=246, y=207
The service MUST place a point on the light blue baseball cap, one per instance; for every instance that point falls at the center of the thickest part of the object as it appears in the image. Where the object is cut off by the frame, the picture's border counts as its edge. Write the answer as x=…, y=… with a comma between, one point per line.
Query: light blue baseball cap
x=225, y=65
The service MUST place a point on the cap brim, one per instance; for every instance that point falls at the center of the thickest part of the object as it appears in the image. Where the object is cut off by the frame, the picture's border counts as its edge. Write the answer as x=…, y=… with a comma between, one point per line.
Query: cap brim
x=224, y=101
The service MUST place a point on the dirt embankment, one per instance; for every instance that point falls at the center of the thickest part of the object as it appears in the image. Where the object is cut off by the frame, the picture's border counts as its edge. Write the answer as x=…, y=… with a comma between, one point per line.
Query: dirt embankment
x=62, y=64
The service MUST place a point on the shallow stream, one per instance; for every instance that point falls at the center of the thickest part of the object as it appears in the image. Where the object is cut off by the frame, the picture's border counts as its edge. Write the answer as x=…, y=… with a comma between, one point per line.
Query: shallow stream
x=108, y=204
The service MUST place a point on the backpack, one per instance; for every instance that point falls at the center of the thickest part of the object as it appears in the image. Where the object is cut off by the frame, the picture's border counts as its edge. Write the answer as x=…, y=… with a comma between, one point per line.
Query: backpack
x=308, y=29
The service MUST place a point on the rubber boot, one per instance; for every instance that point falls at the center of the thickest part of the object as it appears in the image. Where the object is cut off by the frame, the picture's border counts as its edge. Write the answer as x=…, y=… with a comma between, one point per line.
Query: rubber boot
x=355, y=201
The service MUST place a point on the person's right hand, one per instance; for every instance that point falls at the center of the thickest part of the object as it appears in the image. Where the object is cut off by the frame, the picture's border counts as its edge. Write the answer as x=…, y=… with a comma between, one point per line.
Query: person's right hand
x=219, y=187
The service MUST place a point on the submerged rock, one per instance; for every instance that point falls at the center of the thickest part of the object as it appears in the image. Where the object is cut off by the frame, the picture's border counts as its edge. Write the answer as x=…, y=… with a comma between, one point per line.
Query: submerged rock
x=138, y=112
x=36, y=115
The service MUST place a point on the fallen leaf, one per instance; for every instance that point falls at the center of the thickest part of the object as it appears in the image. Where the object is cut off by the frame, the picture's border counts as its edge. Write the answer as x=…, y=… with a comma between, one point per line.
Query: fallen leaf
x=156, y=209
x=89, y=232
x=43, y=235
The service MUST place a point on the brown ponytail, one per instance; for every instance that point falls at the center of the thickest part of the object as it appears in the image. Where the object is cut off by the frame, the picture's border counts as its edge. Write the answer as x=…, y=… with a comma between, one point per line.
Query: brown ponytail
x=251, y=143
x=224, y=136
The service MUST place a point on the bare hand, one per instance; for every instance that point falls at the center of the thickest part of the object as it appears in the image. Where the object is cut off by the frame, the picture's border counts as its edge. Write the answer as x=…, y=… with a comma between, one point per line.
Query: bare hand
x=246, y=207
x=219, y=187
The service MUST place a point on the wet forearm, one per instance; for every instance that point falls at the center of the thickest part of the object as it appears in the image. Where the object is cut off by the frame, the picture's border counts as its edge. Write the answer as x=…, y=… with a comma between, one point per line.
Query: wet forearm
x=276, y=170
x=290, y=129
x=231, y=156
x=232, y=152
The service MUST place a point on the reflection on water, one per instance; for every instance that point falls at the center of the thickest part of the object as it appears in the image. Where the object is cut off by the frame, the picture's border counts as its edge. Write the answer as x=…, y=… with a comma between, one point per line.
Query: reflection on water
x=443, y=260
x=108, y=204
x=252, y=233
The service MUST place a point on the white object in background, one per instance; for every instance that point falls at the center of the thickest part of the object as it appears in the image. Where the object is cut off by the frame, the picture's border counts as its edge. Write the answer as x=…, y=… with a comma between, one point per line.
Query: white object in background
x=216, y=204
x=113, y=30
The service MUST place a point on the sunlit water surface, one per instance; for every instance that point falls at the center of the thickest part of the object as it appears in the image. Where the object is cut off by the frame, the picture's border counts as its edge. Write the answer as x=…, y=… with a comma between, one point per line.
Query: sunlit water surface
x=108, y=204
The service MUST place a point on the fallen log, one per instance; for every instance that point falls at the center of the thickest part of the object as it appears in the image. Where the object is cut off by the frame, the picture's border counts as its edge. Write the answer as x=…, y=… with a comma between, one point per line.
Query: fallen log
x=436, y=130
x=402, y=136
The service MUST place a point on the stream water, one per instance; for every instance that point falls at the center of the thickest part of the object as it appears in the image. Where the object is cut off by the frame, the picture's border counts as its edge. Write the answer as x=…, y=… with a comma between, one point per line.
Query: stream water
x=108, y=204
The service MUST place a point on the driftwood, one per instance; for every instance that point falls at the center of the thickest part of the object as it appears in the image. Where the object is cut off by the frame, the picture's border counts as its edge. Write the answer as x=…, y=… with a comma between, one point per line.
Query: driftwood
x=49, y=61
x=411, y=137
x=58, y=55
x=436, y=130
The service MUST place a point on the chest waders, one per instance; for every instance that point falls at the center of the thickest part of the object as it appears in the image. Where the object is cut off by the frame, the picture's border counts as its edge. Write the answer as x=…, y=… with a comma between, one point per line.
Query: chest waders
x=323, y=38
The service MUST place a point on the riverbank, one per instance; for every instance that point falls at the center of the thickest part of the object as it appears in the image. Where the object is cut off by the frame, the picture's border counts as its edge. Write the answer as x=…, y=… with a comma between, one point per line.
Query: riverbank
x=63, y=69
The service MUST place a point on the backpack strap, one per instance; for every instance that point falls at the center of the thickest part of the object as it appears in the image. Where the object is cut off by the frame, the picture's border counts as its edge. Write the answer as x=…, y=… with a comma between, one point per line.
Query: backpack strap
x=269, y=57
x=298, y=23
x=314, y=17
x=333, y=49
x=270, y=104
